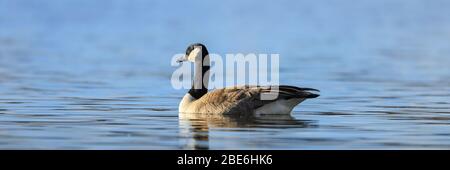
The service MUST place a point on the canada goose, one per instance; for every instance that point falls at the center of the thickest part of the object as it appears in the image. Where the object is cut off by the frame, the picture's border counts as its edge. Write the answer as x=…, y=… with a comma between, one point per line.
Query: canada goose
x=235, y=100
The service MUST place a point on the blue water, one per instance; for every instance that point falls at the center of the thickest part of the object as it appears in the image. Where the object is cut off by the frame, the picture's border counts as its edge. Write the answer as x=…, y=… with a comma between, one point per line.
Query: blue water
x=84, y=74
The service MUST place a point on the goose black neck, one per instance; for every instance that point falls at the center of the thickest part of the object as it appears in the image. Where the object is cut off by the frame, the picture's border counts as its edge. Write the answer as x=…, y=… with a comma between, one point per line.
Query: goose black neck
x=201, y=78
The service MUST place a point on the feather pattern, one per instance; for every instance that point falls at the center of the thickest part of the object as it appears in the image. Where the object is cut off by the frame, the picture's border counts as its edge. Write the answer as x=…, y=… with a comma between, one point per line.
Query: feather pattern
x=247, y=99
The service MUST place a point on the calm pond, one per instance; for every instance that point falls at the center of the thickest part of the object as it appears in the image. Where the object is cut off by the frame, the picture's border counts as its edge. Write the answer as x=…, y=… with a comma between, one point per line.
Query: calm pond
x=83, y=74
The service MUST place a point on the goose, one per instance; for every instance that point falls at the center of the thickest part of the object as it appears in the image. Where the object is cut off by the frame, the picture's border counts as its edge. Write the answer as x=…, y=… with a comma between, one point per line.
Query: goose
x=241, y=100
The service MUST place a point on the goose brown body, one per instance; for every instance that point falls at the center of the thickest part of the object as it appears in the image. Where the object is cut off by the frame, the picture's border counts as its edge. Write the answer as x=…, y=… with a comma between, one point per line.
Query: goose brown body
x=247, y=100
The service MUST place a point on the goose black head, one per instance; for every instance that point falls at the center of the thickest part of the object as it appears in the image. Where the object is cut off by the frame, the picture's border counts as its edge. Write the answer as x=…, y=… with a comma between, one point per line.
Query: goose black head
x=195, y=52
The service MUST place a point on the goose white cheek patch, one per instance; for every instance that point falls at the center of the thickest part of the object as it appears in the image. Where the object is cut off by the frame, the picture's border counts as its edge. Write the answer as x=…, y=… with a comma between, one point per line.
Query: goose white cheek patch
x=196, y=53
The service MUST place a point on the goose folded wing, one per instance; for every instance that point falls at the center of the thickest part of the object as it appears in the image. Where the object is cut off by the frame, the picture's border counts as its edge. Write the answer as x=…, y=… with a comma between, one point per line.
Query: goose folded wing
x=247, y=98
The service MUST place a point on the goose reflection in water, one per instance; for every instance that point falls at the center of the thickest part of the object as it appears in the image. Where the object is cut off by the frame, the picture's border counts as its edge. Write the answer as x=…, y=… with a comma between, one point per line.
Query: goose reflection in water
x=195, y=128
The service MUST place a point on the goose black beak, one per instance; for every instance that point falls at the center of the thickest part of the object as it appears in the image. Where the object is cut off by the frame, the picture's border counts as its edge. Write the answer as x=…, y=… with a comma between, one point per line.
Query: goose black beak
x=182, y=59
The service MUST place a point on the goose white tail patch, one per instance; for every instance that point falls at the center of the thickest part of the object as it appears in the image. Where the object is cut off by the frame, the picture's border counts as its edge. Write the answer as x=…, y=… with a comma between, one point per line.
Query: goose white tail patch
x=279, y=107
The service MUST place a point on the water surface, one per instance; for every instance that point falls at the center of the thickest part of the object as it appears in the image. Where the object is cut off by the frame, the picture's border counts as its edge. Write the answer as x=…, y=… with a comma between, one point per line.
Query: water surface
x=88, y=74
